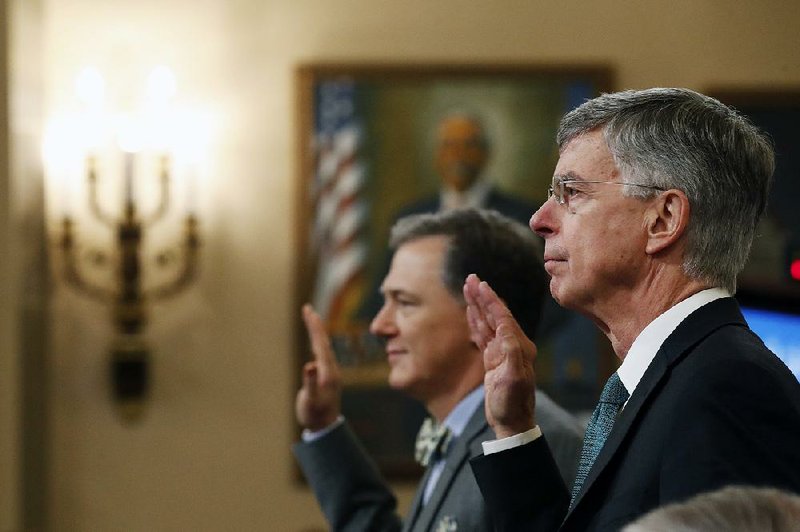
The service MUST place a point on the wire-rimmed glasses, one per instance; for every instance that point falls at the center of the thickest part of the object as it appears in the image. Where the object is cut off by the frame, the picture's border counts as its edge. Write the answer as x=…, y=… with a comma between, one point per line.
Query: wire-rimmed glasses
x=563, y=189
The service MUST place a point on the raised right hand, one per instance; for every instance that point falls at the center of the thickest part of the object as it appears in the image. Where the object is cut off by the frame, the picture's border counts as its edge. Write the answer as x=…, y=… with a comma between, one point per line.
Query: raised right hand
x=508, y=357
x=319, y=400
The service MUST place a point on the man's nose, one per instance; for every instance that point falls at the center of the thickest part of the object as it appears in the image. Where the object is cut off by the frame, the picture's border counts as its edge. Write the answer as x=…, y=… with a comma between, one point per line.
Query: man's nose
x=543, y=220
x=382, y=324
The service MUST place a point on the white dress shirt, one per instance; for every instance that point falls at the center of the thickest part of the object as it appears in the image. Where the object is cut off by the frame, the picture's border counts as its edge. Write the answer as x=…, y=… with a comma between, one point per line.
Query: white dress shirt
x=474, y=196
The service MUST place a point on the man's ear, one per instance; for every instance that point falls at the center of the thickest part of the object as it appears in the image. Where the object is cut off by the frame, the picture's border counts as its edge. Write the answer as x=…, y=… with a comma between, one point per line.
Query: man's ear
x=667, y=219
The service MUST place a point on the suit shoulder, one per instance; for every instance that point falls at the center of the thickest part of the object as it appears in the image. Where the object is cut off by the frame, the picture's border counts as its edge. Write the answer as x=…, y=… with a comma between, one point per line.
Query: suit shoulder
x=730, y=374
x=735, y=352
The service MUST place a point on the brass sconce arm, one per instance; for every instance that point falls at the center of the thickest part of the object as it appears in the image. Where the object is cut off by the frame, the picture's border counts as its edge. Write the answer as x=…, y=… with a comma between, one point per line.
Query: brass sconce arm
x=164, y=195
x=188, y=273
x=71, y=272
x=94, y=203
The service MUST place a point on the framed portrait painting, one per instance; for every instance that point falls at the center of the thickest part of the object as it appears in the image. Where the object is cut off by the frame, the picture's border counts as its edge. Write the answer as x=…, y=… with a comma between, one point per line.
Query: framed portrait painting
x=367, y=142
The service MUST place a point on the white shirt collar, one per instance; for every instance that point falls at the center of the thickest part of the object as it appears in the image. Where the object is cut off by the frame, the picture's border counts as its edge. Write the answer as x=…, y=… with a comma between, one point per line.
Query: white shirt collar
x=458, y=418
x=644, y=348
x=474, y=196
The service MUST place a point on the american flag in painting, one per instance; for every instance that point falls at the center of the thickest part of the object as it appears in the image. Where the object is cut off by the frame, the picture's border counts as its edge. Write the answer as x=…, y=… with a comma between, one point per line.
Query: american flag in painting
x=338, y=239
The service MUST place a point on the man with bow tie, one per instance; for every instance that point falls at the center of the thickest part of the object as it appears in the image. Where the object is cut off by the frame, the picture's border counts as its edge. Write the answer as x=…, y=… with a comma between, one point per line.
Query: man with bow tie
x=433, y=360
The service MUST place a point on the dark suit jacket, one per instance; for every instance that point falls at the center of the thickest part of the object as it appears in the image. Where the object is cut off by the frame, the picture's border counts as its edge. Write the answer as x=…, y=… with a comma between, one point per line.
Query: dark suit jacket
x=714, y=408
x=355, y=498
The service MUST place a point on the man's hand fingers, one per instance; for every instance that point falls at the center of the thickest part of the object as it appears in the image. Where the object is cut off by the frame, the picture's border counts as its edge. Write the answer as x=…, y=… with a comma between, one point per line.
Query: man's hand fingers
x=517, y=350
x=480, y=331
x=493, y=307
x=475, y=334
x=487, y=305
x=320, y=343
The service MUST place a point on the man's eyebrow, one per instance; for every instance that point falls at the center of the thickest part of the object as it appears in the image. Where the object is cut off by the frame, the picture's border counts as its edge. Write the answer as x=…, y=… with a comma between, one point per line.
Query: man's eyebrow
x=395, y=292
x=569, y=176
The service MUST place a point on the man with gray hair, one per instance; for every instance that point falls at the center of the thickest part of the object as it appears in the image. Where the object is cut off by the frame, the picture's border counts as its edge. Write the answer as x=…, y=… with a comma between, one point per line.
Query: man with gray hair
x=651, y=214
x=432, y=359
x=732, y=509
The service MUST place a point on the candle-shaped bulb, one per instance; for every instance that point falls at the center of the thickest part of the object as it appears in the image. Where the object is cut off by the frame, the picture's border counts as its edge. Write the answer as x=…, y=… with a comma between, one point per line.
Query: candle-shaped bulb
x=59, y=155
x=90, y=87
x=161, y=84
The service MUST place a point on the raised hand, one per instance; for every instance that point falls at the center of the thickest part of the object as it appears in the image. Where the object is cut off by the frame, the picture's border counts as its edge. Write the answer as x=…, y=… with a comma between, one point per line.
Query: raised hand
x=508, y=357
x=319, y=400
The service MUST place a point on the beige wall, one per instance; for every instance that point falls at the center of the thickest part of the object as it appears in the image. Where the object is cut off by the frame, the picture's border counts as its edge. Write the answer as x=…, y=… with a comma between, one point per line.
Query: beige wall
x=213, y=451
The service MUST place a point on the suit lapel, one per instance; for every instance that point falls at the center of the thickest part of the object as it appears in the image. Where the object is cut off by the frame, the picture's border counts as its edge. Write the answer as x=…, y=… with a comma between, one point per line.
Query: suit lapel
x=678, y=344
x=416, y=504
x=422, y=516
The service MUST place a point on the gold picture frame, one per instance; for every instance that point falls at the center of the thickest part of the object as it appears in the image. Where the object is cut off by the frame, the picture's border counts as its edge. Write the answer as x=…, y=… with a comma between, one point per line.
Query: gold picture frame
x=365, y=141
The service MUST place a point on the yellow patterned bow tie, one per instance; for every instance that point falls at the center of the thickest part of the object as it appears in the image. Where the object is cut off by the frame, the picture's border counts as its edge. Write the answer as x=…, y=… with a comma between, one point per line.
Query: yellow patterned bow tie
x=433, y=440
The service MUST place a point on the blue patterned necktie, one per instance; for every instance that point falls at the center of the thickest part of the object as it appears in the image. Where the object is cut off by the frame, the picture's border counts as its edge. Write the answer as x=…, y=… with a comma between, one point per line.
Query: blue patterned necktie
x=433, y=440
x=612, y=398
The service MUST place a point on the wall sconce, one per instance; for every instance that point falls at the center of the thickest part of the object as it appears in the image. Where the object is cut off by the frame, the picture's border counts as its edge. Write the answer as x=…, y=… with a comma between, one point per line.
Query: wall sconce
x=143, y=144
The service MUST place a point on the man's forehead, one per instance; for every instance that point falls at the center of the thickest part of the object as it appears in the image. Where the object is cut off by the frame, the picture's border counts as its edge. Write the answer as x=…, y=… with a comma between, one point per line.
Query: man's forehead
x=459, y=125
x=587, y=154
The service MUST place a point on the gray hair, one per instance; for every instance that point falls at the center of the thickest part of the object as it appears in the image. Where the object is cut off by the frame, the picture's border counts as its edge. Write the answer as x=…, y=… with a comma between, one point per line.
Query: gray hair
x=497, y=249
x=734, y=509
x=678, y=138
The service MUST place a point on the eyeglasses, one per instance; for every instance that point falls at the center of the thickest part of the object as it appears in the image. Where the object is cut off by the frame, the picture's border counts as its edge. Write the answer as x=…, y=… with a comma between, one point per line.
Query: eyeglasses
x=564, y=189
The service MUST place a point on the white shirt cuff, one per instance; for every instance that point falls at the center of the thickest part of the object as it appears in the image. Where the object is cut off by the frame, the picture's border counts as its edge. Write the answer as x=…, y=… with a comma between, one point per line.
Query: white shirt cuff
x=504, y=444
x=313, y=435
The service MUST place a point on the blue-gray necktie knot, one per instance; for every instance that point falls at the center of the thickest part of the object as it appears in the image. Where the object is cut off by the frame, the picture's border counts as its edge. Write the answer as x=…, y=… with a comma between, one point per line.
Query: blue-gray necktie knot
x=612, y=398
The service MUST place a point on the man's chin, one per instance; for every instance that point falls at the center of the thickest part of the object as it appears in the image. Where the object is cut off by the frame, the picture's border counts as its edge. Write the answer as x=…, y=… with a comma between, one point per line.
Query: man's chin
x=401, y=383
x=567, y=300
x=555, y=292
x=461, y=180
x=560, y=295
x=395, y=382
